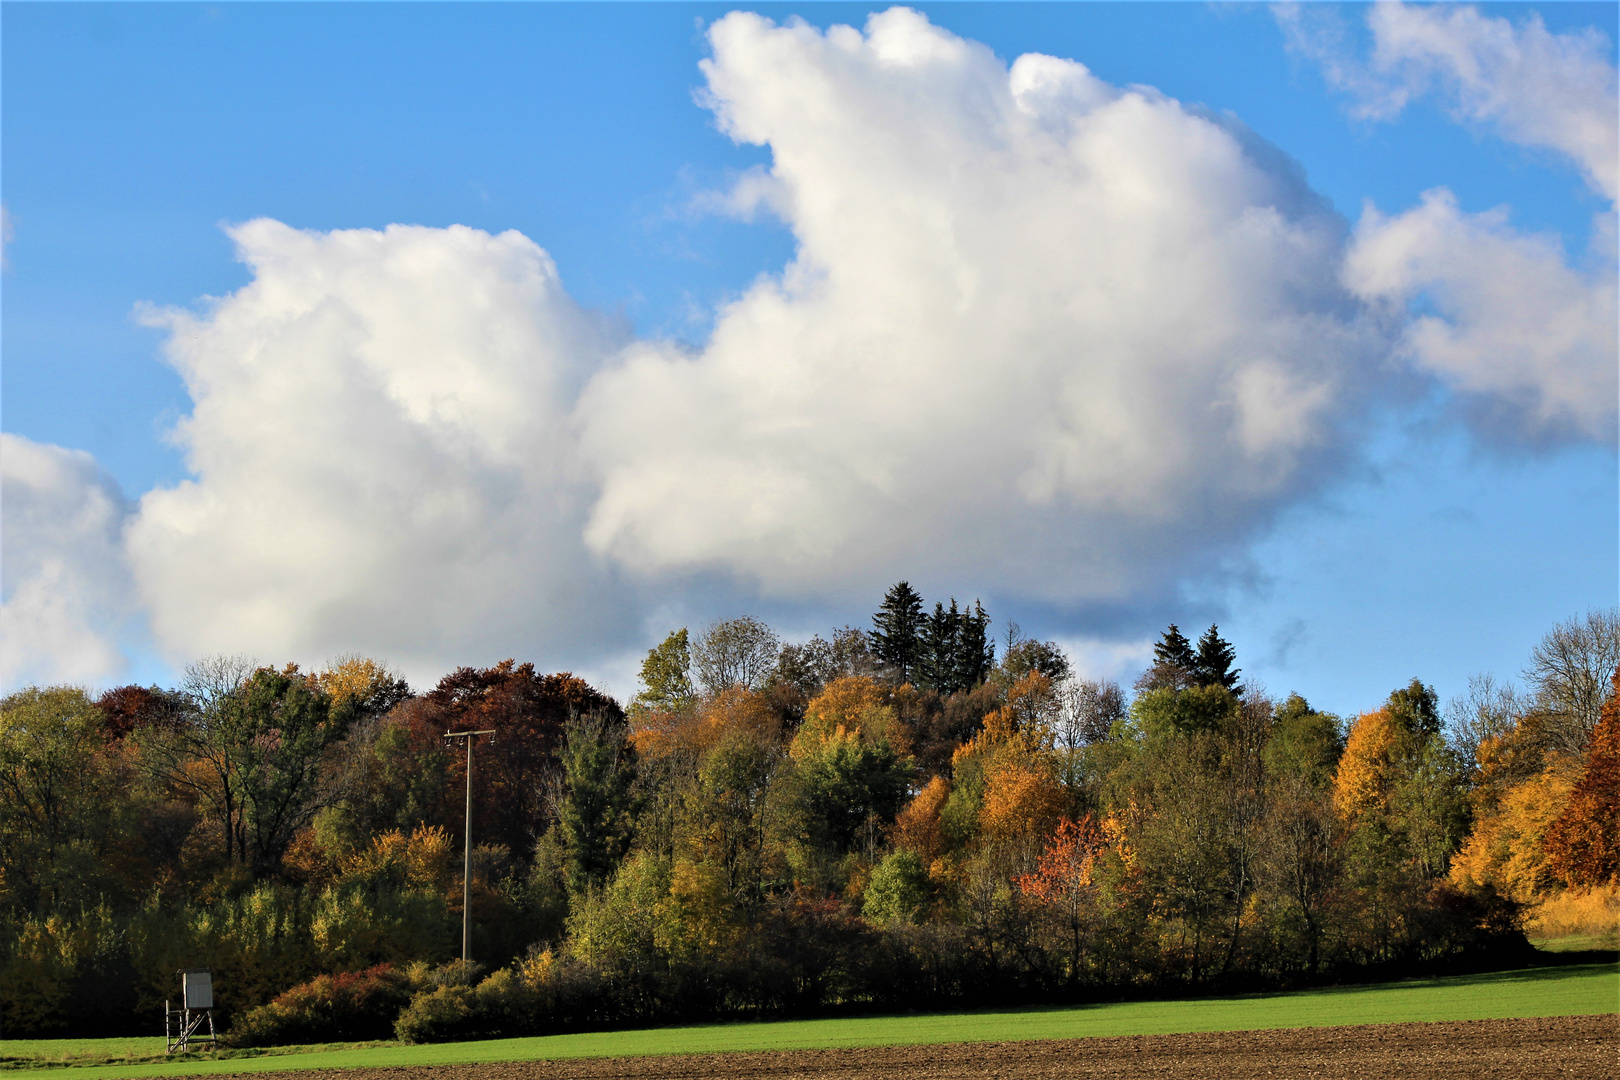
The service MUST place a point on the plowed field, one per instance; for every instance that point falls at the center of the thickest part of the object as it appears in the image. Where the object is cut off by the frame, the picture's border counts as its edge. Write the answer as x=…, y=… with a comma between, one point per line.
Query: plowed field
x=1584, y=1047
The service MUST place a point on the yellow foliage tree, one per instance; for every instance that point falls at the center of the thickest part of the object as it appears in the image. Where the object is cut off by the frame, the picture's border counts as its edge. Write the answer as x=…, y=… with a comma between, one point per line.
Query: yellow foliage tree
x=1361, y=782
x=1021, y=794
x=372, y=685
x=1505, y=849
x=1022, y=797
x=422, y=860
x=852, y=707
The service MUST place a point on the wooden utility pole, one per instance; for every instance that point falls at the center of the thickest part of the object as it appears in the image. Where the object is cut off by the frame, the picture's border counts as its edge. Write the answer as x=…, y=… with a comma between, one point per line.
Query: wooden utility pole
x=466, y=854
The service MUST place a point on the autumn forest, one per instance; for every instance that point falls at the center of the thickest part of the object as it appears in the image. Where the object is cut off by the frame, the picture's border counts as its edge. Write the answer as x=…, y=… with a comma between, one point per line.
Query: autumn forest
x=924, y=812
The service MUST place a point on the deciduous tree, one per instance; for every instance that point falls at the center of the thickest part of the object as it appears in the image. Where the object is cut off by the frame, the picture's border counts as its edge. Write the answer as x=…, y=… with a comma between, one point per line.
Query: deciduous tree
x=1583, y=843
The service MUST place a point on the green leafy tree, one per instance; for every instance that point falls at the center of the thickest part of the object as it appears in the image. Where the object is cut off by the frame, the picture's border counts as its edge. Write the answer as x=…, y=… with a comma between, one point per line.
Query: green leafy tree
x=666, y=676
x=731, y=808
x=1029, y=655
x=283, y=726
x=597, y=808
x=1183, y=845
x=898, y=890
x=1166, y=712
x=63, y=799
x=1302, y=858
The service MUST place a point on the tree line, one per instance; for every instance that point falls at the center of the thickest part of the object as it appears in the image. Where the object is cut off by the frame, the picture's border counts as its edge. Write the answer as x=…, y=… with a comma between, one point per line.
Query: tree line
x=909, y=815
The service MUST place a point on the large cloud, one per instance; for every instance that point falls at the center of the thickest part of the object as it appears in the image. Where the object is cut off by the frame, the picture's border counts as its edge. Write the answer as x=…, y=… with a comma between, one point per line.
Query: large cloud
x=1042, y=335
x=381, y=454
x=67, y=595
x=1042, y=338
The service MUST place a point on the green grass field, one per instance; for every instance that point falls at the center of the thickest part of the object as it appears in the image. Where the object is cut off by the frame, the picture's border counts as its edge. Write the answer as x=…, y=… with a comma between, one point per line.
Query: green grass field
x=1577, y=990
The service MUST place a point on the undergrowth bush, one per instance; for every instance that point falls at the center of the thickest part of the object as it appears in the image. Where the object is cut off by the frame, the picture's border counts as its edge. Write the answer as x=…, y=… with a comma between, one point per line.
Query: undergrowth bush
x=1591, y=912
x=329, y=1008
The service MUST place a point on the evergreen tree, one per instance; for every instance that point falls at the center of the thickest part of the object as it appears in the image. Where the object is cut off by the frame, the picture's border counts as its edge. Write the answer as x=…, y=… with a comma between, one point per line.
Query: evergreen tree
x=956, y=652
x=941, y=633
x=897, y=632
x=1213, y=664
x=1175, y=650
x=975, y=649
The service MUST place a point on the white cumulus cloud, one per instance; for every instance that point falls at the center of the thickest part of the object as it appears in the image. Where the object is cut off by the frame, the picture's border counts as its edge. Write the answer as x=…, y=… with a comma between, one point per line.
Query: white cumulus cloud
x=1042, y=335
x=1043, y=339
x=1532, y=87
x=1528, y=339
x=381, y=454
x=66, y=584
x=1526, y=336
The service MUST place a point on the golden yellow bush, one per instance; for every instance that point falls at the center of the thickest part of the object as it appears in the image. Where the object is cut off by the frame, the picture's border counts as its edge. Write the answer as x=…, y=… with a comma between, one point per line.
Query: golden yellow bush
x=1591, y=912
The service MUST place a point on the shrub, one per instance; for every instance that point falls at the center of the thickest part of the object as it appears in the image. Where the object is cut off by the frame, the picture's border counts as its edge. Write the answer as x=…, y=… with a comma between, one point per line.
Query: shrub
x=500, y=1005
x=1578, y=912
x=329, y=1008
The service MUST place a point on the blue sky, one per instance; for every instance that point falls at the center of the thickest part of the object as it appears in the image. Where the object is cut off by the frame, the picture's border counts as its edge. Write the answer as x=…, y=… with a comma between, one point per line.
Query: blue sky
x=1423, y=541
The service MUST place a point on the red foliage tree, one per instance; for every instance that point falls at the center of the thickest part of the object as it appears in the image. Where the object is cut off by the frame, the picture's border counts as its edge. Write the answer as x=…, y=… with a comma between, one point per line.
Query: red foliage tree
x=1583, y=843
x=128, y=708
x=527, y=711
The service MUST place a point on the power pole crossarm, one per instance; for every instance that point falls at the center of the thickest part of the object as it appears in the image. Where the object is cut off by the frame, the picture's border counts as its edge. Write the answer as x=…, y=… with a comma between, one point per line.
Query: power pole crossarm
x=466, y=855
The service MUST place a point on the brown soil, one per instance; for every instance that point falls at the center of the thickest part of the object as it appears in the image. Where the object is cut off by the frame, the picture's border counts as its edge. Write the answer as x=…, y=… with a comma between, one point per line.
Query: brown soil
x=1584, y=1047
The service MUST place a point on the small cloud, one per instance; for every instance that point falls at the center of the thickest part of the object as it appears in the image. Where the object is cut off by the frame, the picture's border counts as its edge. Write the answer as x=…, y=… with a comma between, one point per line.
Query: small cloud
x=1526, y=340
x=1285, y=641
x=1532, y=87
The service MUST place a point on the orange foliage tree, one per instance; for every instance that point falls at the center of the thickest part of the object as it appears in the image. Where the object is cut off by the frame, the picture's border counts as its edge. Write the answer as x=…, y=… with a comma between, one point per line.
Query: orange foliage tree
x=1012, y=764
x=1361, y=783
x=1583, y=844
x=1063, y=882
x=916, y=827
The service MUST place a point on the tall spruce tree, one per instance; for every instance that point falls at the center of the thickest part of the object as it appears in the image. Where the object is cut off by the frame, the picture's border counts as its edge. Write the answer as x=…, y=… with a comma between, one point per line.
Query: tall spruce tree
x=975, y=648
x=1213, y=664
x=941, y=632
x=897, y=632
x=598, y=803
x=1174, y=649
x=956, y=652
